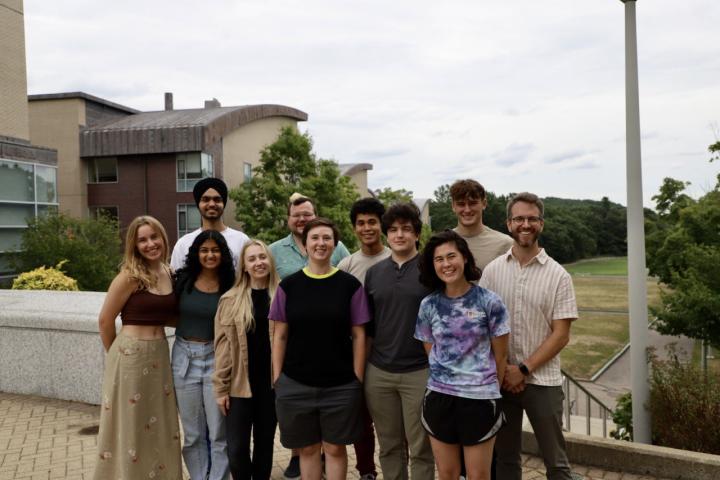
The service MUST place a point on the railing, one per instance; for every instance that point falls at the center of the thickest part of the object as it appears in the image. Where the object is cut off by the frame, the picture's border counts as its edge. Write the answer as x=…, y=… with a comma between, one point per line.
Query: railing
x=577, y=407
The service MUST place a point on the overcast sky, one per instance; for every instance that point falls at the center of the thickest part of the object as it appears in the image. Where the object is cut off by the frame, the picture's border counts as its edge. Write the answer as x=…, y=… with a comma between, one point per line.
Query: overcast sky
x=520, y=95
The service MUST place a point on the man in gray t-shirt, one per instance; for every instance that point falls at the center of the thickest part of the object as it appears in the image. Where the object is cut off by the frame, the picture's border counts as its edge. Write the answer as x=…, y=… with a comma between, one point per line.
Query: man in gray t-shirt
x=397, y=370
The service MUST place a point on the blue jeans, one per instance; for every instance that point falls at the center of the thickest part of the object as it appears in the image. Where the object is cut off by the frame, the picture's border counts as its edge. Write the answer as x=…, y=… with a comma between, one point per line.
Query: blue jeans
x=192, y=365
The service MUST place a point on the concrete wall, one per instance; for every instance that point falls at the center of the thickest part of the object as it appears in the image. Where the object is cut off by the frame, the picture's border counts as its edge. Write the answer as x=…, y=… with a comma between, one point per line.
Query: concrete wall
x=359, y=178
x=50, y=346
x=56, y=123
x=244, y=145
x=13, y=71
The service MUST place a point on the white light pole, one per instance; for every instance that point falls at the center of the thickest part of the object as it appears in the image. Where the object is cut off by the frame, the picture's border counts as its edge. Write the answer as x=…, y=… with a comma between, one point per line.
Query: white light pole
x=637, y=288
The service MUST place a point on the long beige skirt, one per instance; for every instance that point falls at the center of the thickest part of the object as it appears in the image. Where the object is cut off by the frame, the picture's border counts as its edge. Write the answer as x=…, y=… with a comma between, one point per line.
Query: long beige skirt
x=139, y=434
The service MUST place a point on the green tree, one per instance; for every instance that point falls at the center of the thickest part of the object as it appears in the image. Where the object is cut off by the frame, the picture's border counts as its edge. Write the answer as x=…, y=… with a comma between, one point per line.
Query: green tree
x=287, y=166
x=388, y=196
x=684, y=252
x=91, y=248
x=442, y=216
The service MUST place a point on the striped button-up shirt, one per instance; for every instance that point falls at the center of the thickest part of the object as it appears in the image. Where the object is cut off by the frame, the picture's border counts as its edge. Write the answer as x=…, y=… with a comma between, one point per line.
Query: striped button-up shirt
x=535, y=295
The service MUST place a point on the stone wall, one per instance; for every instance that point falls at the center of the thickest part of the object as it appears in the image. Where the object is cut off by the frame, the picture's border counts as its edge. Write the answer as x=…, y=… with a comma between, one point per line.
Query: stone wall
x=50, y=345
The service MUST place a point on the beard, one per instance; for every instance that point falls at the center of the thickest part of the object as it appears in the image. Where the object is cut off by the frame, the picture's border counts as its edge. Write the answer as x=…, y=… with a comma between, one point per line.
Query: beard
x=525, y=241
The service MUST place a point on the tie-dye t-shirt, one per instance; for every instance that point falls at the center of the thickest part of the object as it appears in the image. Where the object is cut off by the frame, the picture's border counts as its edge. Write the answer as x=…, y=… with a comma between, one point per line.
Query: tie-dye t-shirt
x=460, y=329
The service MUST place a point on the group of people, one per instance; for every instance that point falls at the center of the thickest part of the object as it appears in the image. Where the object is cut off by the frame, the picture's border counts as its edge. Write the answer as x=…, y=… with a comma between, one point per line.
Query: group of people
x=437, y=353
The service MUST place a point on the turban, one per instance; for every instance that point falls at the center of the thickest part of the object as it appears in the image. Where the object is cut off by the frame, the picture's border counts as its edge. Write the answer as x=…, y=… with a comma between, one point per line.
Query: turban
x=203, y=185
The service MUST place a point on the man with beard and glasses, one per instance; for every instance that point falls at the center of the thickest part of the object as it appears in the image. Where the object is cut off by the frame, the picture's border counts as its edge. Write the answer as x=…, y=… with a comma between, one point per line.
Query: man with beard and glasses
x=540, y=299
x=210, y=197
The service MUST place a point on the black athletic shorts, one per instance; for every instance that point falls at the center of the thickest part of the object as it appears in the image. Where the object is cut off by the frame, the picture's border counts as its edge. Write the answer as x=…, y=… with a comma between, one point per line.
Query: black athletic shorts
x=458, y=420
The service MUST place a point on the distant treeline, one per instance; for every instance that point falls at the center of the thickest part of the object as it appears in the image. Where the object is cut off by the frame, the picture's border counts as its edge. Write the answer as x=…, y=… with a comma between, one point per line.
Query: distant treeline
x=574, y=229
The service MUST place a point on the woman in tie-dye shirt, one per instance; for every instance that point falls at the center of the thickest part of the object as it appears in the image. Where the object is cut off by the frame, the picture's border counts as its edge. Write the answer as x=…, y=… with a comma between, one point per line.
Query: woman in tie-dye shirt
x=464, y=329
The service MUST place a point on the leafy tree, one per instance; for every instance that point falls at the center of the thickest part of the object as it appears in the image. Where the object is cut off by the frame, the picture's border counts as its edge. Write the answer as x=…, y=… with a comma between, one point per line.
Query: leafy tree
x=442, y=216
x=287, y=166
x=684, y=252
x=388, y=196
x=90, y=247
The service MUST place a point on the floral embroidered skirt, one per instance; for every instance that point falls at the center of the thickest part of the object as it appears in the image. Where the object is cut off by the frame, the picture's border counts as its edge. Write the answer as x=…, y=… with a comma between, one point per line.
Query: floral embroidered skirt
x=139, y=434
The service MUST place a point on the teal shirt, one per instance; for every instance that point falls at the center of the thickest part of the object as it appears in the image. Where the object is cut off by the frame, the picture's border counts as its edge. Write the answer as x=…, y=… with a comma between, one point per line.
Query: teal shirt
x=289, y=259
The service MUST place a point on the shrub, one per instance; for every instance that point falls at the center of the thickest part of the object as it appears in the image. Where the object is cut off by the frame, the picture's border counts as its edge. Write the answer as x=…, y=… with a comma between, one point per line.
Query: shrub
x=90, y=246
x=684, y=404
x=622, y=416
x=43, y=278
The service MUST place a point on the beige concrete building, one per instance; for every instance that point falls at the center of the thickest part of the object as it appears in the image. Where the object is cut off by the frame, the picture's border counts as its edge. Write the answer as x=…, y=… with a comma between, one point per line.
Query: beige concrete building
x=56, y=120
x=13, y=71
x=28, y=172
x=358, y=176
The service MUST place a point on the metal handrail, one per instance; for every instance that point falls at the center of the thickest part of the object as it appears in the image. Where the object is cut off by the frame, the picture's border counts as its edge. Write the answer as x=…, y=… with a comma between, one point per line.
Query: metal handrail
x=590, y=399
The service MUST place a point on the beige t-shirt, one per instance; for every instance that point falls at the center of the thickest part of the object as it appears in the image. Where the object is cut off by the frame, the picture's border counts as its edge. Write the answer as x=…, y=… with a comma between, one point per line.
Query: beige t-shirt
x=488, y=245
x=358, y=263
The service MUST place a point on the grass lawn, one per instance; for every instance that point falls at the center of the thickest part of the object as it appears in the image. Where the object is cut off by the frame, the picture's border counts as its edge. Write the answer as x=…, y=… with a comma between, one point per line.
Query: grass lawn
x=594, y=339
x=602, y=329
x=599, y=266
x=609, y=293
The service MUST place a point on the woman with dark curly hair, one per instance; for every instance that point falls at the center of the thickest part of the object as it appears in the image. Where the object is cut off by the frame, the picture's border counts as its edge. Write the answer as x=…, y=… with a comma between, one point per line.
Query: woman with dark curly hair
x=464, y=329
x=208, y=273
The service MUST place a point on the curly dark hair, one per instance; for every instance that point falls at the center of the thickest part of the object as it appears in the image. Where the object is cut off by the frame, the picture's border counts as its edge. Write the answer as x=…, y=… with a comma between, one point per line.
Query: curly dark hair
x=428, y=277
x=367, y=206
x=186, y=276
x=406, y=212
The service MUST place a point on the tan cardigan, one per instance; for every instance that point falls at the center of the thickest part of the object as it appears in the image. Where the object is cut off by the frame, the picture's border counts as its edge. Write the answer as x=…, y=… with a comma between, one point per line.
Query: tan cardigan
x=231, y=354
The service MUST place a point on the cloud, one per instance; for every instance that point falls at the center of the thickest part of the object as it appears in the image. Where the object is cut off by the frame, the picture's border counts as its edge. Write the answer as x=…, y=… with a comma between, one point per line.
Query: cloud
x=373, y=154
x=513, y=154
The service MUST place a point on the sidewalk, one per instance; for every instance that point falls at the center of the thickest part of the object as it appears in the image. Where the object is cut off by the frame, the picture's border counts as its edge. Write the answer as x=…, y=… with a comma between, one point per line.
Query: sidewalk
x=44, y=439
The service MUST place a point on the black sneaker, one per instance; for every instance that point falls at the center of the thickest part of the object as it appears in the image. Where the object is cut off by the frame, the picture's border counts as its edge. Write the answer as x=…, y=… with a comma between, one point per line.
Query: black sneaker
x=292, y=471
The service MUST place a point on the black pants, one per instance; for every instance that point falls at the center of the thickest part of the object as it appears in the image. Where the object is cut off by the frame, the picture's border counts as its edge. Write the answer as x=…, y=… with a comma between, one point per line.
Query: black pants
x=256, y=415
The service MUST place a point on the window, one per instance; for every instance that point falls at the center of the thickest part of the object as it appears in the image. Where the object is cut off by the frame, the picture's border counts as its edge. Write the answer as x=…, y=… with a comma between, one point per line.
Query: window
x=247, y=172
x=17, y=183
x=10, y=239
x=110, y=211
x=188, y=218
x=45, y=183
x=192, y=167
x=102, y=170
x=15, y=214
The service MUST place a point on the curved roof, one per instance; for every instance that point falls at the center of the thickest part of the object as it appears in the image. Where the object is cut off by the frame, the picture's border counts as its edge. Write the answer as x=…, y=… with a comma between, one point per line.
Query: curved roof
x=174, y=130
x=351, y=168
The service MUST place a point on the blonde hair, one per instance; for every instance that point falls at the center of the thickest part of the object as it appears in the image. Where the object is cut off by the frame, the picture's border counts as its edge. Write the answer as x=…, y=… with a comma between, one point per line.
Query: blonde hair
x=241, y=308
x=133, y=263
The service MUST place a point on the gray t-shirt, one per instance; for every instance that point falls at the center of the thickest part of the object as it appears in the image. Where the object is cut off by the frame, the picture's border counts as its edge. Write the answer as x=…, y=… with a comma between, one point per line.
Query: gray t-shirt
x=358, y=263
x=394, y=294
x=488, y=245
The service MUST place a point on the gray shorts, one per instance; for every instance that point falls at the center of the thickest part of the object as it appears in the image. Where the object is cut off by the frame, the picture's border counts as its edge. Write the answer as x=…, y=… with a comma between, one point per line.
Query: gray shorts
x=309, y=415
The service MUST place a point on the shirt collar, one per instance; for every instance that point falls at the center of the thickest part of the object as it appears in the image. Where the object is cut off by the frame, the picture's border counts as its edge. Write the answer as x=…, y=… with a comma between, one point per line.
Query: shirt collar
x=541, y=257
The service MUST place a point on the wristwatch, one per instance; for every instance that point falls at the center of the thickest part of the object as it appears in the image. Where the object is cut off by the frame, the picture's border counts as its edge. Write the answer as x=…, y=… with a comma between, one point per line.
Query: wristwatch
x=524, y=369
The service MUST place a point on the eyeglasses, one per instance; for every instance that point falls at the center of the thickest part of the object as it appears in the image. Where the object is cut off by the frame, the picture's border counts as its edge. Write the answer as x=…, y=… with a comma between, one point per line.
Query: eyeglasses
x=303, y=215
x=519, y=220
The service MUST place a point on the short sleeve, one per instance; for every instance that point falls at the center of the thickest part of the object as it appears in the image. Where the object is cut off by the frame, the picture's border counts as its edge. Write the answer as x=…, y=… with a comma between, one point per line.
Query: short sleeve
x=565, y=305
x=423, y=326
x=498, y=320
x=359, y=311
x=277, y=309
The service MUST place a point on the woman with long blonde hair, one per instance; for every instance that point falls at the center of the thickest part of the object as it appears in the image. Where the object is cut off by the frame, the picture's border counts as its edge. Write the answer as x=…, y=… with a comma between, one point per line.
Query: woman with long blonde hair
x=139, y=433
x=243, y=369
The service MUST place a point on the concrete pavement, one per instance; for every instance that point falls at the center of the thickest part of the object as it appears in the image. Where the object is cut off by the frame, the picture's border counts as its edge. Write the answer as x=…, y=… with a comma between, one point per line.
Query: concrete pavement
x=45, y=439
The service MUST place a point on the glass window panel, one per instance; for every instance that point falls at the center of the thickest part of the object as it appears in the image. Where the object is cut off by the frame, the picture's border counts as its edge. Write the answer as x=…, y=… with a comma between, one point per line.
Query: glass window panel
x=108, y=211
x=16, y=182
x=247, y=171
x=101, y=170
x=6, y=264
x=15, y=214
x=10, y=239
x=193, y=166
x=45, y=209
x=207, y=165
x=193, y=218
x=46, y=184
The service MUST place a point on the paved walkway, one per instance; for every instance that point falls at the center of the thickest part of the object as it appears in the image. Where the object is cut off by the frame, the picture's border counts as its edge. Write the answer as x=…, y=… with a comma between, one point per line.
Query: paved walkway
x=53, y=439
